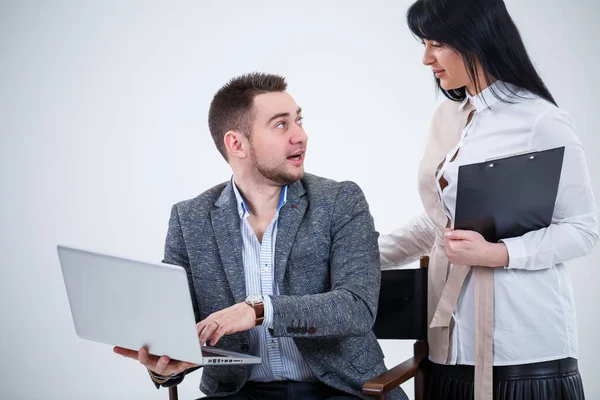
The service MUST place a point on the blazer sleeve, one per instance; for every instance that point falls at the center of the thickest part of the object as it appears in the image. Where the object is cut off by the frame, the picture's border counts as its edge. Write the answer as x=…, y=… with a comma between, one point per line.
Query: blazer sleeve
x=175, y=379
x=350, y=307
x=176, y=252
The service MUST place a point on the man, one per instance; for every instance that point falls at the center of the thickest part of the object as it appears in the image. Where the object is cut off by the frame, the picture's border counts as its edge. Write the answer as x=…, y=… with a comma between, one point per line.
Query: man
x=281, y=264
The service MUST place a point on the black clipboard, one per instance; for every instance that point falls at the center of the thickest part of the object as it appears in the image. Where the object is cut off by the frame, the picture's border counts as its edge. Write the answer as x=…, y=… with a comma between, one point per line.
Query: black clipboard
x=509, y=196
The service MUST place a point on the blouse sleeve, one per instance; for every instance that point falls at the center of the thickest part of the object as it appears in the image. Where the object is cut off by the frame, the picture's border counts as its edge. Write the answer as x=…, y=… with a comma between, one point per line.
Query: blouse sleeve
x=574, y=229
x=406, y=243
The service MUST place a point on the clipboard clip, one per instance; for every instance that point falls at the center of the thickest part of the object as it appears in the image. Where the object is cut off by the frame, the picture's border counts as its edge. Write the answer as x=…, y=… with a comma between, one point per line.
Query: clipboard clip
x=513, y=155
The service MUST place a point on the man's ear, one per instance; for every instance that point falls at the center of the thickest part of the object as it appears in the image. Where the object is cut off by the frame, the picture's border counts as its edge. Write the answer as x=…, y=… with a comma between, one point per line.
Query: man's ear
x=236, y=144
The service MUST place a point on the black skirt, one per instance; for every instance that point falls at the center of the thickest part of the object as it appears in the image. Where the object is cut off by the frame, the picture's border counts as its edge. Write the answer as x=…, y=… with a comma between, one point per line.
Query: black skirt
x=550, y=380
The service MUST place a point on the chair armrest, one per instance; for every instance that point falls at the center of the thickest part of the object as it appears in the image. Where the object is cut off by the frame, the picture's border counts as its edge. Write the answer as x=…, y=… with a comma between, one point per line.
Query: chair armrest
x=393, y=378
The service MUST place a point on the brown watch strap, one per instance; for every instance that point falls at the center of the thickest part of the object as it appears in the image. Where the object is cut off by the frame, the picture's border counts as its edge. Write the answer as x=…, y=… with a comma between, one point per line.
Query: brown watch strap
x=259, y=309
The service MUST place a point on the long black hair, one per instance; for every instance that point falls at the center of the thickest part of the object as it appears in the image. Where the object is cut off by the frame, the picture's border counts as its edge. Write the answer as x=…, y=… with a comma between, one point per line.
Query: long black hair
x=480, y=30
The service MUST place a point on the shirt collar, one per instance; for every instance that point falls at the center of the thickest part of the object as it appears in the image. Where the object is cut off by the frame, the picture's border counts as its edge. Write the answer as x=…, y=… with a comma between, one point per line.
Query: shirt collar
x=243, y=209
x=487, y=97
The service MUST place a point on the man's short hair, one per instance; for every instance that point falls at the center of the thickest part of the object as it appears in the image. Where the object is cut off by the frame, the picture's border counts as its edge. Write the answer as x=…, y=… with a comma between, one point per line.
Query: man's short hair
x=232, y=107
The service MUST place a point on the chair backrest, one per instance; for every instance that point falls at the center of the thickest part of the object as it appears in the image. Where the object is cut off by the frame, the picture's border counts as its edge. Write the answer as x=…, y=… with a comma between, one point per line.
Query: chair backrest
x=402, y=311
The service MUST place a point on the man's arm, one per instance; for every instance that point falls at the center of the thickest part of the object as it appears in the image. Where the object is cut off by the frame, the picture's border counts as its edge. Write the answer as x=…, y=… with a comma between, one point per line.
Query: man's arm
x=176, y=252
x=350, y=307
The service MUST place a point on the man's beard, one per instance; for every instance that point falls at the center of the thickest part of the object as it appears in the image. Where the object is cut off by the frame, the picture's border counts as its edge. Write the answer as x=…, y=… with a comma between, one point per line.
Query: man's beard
x=275, y=174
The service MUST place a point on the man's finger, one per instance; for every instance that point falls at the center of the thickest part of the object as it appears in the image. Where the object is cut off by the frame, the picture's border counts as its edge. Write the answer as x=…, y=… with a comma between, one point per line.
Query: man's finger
x=161, y=365
x=126, y=352
x=179, y=365
x=208, y=331
x=204, y=323
x=183, y=365
x=210, y=319
x=218, y=334
x=145, y=359
x=200, y=326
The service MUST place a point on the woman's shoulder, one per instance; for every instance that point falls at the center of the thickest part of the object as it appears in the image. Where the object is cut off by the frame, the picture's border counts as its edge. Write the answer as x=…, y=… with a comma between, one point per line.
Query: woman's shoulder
x=538, y=107
x=447, y=109
x=446, y=113
x=446, y=126
x=549, y=123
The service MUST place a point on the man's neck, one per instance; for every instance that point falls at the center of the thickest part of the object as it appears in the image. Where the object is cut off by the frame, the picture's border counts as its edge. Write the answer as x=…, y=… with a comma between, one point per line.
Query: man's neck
x=261, y=197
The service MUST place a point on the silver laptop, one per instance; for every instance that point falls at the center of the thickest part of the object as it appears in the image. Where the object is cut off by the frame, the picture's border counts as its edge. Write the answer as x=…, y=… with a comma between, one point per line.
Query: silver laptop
x=135, y=304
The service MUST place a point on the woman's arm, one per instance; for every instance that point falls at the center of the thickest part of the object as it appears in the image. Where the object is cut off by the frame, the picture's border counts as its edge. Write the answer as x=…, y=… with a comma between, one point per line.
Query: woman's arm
x=407, y=243
x=574, y=229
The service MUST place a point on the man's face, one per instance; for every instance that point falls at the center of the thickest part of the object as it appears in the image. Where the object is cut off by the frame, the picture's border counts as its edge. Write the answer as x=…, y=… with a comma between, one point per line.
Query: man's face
x=278, y=142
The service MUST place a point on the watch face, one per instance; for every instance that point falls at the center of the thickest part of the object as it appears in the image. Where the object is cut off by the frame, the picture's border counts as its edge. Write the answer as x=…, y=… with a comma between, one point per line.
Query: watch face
x=254, y=298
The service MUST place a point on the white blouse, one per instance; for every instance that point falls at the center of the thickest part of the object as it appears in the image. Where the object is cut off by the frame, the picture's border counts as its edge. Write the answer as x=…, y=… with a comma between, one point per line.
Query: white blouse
x=534, y=307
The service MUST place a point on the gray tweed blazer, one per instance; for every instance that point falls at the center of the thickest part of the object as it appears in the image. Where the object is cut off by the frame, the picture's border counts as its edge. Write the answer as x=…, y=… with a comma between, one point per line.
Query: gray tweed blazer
x=326, y=268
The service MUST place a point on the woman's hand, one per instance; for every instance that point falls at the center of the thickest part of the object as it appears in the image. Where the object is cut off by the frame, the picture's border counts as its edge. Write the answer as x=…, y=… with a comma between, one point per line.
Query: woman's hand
x=470, y=248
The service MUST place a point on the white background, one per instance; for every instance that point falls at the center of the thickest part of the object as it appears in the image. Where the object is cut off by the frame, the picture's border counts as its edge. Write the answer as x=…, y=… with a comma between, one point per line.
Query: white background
x=103, y=126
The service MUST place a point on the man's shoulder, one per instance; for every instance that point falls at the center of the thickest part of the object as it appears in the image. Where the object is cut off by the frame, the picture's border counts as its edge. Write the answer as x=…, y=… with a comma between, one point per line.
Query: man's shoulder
x=204, y=201
x=329, y=189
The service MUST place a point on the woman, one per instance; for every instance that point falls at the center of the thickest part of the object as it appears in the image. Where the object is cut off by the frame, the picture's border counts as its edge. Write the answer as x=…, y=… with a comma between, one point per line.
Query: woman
x=514, y=310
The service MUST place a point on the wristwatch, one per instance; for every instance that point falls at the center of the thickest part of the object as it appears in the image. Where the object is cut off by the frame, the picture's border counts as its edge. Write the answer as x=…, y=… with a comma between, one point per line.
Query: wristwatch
x=256, y=301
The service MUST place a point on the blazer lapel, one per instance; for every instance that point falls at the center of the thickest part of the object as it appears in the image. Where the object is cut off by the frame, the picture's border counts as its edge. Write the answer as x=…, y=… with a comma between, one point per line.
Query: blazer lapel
x=290, y=217
x=225, y=222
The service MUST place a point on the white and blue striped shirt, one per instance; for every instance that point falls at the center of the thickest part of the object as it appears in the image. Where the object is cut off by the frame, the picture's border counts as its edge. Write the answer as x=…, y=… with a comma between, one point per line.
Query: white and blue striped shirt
x=281, y=359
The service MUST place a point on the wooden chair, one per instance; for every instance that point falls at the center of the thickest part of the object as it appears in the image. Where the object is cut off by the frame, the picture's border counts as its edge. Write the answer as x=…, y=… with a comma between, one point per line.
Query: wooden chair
x=402, y=314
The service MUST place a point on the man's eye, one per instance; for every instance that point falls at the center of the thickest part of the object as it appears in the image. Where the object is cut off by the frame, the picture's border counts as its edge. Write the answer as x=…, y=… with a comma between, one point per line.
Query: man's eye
x=280, y=125
x=300, y=121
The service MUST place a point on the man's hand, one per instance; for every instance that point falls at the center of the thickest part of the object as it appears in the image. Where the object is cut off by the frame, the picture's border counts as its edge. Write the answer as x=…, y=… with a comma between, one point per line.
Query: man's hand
x=470, y=248
x=237, y=318
x=159, y=365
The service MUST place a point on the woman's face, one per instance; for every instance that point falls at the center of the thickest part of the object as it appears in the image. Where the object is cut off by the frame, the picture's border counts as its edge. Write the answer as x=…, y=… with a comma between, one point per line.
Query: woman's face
x=447, y=64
